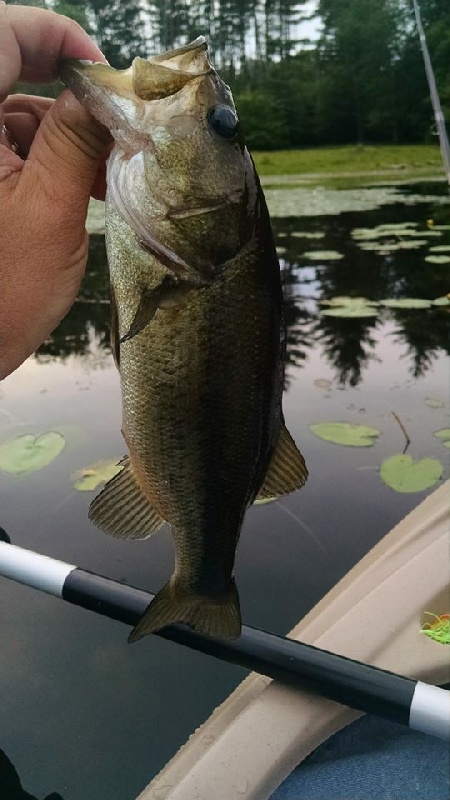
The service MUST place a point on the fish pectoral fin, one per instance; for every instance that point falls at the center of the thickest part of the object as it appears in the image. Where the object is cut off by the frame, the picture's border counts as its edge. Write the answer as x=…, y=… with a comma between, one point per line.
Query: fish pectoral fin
x=122, y=510
x=215, y=616
x=148, y=306
x=286, y=471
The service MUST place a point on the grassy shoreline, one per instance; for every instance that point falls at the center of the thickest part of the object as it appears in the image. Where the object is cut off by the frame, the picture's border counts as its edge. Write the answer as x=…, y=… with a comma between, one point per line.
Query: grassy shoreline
x=349, y=166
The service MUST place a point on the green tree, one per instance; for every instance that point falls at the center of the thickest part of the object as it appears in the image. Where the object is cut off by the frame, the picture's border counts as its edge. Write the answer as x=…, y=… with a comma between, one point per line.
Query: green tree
x=119, y=30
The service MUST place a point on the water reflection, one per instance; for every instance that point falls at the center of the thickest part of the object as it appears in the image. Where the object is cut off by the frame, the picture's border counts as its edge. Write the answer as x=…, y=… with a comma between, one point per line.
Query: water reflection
x=348, y=344
x=10, y=785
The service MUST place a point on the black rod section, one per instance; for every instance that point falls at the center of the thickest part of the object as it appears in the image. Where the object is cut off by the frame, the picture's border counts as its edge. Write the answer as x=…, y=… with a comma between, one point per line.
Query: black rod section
x=302, y=666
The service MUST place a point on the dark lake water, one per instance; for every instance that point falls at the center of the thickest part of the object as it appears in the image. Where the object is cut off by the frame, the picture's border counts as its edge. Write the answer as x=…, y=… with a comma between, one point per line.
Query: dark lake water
x=82, y=713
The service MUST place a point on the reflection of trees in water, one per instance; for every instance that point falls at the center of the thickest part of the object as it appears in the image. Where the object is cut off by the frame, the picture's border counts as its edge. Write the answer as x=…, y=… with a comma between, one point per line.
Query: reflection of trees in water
x=425, y=334
x=299, y=320
x=348, y=343
x=10, y=785
x=85, y=329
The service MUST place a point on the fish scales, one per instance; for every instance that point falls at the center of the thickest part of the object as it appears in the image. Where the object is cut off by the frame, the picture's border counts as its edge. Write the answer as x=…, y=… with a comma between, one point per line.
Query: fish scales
x=197, y=327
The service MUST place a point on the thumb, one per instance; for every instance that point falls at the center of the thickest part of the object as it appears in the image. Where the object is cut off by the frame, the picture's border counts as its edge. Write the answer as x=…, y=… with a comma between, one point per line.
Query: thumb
x=64, y=158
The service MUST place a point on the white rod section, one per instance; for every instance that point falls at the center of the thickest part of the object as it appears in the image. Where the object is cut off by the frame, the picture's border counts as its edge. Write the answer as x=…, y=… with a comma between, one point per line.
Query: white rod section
x=430, y=710
x=40, y=572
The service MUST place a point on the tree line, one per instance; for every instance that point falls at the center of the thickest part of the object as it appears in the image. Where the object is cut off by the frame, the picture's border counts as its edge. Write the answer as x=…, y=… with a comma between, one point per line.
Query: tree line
x=360, y=78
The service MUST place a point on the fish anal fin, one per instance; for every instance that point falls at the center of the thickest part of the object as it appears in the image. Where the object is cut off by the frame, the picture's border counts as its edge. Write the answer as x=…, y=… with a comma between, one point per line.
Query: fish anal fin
x=122, y=510
x=215, y=616
x=287, y=470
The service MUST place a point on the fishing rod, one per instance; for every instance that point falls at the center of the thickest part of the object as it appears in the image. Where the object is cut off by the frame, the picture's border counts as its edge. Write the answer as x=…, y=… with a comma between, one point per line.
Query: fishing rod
x=438, y=115
x=418, y=705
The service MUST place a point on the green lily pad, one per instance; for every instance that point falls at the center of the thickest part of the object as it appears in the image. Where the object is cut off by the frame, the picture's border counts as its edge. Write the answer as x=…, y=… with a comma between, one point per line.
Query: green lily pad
x=307, y=235
x=406, y=302
x=444, y=435
x=86, y=480
x=281, y=251
x=438, y=259
x=441, y=301
x=344, y=306
x=440, y=248
x=402, y=474
x=346, y=300
x=388, y=229
x=433, y=402
x=441, y=227
x=350, y=311
x=388, y=247
x=345, y=433
x=28, y=453
x=323, y=255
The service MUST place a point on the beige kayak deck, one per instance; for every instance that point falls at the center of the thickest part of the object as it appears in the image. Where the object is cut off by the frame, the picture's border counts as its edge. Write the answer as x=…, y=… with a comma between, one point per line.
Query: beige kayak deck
x=374, y=614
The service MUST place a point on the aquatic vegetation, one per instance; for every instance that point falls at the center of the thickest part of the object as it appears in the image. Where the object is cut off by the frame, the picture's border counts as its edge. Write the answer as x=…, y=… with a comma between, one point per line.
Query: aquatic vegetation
x=345, y=433
x=322, y=255
x=406, y=302
x=434, y=402
x=308, y=235
x=438, y=259
x=351, y=310
x=28, y=453
x=401, y=473
x=345, y=306
x=349, y=307
x=383, y=248
x=444, y=435
x=88, y=479
x=440, y=248
x=326, y=202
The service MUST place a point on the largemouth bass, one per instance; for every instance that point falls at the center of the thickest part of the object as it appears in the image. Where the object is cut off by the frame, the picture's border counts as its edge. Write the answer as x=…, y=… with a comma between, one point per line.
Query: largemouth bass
x=197, y=327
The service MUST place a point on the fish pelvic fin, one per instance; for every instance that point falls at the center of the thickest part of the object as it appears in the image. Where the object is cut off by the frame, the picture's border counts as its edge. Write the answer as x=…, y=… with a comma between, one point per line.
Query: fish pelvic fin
x=122, y=510
x=287, y=470
x=215, y=616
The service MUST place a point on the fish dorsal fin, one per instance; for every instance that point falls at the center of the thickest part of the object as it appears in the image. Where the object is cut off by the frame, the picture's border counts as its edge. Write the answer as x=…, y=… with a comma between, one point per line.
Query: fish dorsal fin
x=287, y=469
x=122, y=510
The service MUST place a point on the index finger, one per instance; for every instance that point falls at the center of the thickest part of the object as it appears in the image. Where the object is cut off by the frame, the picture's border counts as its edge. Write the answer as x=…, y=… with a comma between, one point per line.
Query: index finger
x=32, y=40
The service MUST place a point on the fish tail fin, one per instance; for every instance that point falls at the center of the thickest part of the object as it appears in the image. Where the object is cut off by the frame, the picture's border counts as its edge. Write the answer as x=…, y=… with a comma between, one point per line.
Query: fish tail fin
x=215, y=616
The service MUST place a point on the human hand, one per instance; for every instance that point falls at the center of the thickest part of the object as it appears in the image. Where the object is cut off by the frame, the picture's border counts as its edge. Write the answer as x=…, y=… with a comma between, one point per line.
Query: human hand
x=52, y=156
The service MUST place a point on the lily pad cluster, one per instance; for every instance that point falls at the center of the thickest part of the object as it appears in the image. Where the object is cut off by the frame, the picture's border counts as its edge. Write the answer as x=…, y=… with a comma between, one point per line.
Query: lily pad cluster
x=399, y=472
x=389, y=237
x=344, y=306
x=28, y=453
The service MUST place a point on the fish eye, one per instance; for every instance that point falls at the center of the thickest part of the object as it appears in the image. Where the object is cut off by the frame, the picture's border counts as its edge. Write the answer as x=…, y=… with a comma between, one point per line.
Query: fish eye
x=224, y=121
